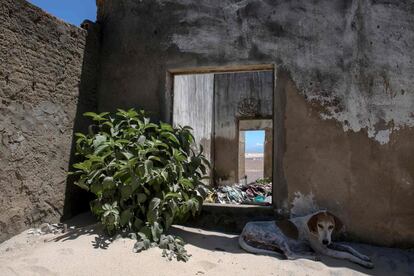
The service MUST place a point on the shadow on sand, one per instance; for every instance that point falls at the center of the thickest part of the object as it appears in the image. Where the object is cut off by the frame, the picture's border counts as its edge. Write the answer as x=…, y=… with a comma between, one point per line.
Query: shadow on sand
x=86, y=225
x=387, y=261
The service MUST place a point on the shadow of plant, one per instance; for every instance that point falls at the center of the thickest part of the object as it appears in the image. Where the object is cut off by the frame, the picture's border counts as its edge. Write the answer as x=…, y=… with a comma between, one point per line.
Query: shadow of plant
x=86, y=225
x=101, y=241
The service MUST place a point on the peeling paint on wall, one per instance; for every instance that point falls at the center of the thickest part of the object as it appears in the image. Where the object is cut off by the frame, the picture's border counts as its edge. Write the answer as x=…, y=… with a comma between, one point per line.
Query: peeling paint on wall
x=303, y=204
x=355, y=59
x=344, y=89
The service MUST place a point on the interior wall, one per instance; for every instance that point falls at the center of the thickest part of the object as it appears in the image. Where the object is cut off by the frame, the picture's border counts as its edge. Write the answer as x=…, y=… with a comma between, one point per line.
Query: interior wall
x=242, y=153
x=268, y=154
x=267, y=126
x=193, y=106
x=233, y=93
x=345, y=133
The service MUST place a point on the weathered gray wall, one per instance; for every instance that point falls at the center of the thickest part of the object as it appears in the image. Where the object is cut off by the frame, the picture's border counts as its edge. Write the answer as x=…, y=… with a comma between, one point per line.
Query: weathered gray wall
x=41, y=62
x=369, y=185
x=193, y=106
x=345, y=103
x=230, y=94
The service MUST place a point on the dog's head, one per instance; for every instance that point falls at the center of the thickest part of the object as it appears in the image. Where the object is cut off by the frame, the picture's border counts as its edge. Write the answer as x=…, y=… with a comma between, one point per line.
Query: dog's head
x=322, y=225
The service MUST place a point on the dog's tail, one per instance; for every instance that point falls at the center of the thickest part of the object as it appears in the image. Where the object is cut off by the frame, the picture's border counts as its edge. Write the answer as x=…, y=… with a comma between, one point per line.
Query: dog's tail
x=254, y=250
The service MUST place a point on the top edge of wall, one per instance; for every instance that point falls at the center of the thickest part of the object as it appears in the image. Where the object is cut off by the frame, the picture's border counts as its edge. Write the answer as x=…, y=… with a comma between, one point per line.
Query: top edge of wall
x=222, y=69
x=51, y=16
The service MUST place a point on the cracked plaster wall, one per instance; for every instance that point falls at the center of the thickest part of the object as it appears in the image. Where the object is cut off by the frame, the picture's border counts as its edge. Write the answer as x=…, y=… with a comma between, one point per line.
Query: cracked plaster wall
x=353, y=57
x=41, y=61
x=346, y=107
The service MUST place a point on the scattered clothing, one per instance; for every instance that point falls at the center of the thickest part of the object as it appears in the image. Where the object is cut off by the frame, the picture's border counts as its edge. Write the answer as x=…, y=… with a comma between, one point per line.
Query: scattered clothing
x=253, y=193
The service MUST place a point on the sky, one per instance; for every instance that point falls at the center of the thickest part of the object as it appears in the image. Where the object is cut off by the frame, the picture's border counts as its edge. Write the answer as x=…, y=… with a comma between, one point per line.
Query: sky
x=254, y=141
x=71, y=11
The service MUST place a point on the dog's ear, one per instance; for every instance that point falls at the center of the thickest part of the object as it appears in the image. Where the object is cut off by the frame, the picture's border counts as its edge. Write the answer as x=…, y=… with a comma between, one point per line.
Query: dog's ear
x=312, y=223
x=339, y=226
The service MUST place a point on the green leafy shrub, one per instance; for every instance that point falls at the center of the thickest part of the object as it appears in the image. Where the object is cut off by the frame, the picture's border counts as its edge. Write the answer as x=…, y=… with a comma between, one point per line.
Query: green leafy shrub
x=145, y=176
x=263, y=180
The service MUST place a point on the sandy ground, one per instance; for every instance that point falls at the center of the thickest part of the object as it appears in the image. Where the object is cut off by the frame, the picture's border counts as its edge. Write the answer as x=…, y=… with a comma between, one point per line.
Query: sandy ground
x=84, y=251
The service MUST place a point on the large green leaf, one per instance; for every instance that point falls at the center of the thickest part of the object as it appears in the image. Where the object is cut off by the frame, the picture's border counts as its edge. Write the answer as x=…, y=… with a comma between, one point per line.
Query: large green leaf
x=186, y=183
x=108, y=183
x=141, y=139
x=172, y=195
x=81, y=184
x=95, y=116
x=141, y=198
x=126, y=216
x=99, y=140
x=97, y=189
x=166, y=127
x=126, y=192
x=84, y=166
x=169, y=218
x=138, y=223
x=153, y=213
x=171, y=137
x=178, y=155
x=148, y=166
x=145, y=231
x=156, y=231
x=80, y=135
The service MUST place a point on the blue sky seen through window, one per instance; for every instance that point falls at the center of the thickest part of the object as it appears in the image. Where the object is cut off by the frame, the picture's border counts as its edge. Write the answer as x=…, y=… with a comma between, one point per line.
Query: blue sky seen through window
x=254, y=141
x=71, y=11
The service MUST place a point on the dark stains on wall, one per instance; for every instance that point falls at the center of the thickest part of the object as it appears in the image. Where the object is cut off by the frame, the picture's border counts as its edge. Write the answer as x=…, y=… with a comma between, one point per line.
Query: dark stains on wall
x=76, y=199
x=151, y=25
x=342, y=68
x=230, y=90
x=369, y=185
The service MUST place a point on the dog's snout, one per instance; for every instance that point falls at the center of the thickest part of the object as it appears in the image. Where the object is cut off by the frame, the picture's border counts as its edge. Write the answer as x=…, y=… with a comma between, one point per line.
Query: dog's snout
x=325, y=242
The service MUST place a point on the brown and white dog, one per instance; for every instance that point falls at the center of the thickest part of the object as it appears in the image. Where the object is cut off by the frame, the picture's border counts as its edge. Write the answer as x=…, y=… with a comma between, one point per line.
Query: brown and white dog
x=295, y=237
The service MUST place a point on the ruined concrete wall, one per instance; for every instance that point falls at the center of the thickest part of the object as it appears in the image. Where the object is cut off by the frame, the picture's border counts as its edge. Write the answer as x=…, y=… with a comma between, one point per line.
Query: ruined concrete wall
x=369, y=185
x=41, y=62
x=351, y=59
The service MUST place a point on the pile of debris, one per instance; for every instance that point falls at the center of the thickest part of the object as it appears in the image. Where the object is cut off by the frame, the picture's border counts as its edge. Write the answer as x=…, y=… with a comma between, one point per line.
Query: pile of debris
x=253, y=193
x=48, y=228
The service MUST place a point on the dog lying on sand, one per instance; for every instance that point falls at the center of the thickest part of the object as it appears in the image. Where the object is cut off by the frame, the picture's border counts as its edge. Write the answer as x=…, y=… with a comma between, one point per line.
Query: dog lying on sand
x=295, y=238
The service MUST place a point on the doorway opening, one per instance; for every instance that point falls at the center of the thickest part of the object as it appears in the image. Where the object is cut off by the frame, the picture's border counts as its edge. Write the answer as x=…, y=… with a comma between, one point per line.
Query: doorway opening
x=224, y=108
x=253, y=157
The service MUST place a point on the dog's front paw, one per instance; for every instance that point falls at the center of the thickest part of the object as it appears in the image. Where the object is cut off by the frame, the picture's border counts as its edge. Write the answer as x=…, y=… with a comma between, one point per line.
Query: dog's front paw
x=317, y=258
x=368, y=264
x=365, y=258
